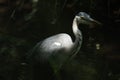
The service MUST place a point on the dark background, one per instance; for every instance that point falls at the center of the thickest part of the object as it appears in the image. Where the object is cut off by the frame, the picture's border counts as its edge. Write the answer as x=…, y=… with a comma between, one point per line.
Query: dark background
x=23, y=23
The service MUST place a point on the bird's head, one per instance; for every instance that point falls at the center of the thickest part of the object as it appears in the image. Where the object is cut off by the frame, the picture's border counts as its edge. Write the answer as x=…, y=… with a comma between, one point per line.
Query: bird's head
x=84, y=18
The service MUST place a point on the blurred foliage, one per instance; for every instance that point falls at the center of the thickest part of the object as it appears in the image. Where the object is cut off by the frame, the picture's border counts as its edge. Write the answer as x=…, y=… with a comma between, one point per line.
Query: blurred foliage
x=23, y=23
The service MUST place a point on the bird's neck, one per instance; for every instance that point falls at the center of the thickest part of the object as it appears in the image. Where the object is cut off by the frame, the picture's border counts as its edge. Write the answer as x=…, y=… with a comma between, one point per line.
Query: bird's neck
x=76, y=30
x=75, y=26
x=78, y=37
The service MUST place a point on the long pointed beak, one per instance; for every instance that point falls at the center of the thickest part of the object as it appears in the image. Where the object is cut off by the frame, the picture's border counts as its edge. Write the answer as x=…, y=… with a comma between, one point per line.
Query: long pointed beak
x=95, y=21
x=92, y=20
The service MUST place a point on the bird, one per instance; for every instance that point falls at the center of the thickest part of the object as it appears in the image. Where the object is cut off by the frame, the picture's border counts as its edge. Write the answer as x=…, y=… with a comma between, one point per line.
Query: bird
x=59, y=48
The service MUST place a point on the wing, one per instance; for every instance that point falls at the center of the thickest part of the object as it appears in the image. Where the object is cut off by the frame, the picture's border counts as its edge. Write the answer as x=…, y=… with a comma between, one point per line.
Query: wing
x=48, y=50
x=56, y=44
x=52, y=49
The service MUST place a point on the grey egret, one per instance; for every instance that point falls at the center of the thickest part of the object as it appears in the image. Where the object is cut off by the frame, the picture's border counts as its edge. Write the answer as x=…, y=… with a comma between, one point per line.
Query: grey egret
x=57, y=49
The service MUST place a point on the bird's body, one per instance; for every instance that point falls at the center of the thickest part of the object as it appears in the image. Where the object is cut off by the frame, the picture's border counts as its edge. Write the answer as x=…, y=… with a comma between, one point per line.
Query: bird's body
x=57, y=49
x=57, y=42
